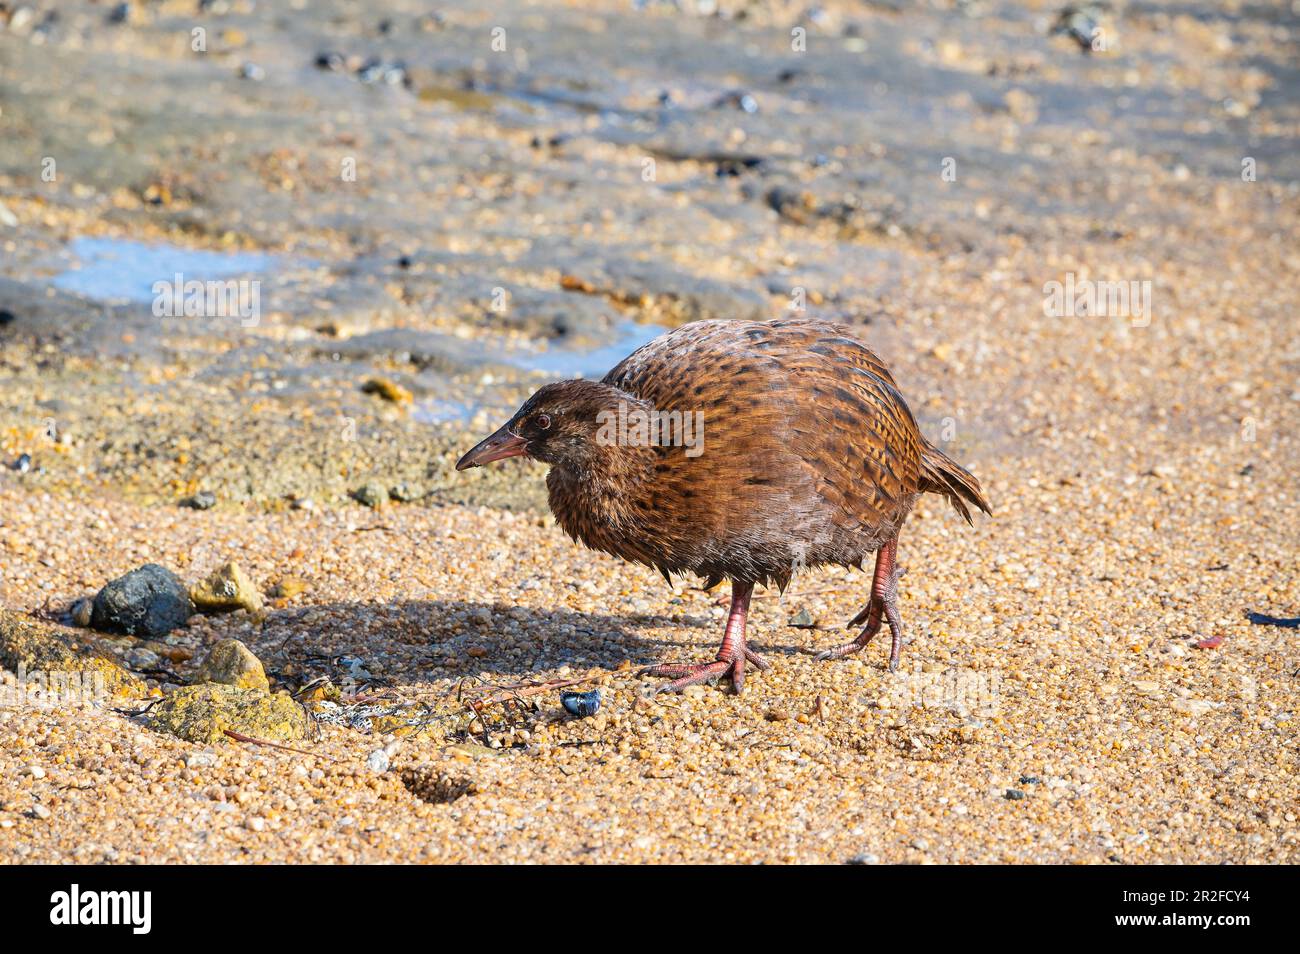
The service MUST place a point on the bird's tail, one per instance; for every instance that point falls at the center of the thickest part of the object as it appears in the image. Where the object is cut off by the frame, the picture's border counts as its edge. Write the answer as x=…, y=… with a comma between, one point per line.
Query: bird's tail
x=940, y=474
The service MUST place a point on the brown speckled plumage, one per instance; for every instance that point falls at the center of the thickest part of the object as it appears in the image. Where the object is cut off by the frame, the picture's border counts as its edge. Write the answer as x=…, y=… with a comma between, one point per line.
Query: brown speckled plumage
x=809, y=456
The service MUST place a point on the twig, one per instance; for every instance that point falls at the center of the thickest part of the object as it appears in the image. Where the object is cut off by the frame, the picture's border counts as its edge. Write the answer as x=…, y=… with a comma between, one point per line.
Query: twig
x=522, y=691
x=138, y=712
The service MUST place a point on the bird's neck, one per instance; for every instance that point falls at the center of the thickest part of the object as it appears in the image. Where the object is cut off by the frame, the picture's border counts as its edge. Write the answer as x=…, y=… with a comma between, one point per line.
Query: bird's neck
x=603, y=494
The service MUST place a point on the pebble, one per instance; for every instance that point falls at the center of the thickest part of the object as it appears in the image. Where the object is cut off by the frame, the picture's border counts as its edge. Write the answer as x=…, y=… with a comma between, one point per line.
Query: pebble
x=371, y=494
x=203, y=500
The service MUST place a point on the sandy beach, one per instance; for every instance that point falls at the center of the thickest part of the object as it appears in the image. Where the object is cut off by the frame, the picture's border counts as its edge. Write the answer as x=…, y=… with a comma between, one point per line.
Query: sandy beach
x=1101, y=672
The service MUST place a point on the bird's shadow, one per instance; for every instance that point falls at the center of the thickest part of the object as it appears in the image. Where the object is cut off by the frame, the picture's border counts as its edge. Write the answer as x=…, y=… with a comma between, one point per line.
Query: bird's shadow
x=415, y=641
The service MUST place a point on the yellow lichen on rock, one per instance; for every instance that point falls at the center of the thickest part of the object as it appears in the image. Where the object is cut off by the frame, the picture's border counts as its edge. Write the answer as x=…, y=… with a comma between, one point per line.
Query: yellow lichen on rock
x=29, y=648
x=203, y=714
x=226, y=590
x=231, y=663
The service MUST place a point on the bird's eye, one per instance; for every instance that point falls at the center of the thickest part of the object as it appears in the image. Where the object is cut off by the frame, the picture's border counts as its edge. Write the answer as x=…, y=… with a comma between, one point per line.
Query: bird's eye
x=543, y=422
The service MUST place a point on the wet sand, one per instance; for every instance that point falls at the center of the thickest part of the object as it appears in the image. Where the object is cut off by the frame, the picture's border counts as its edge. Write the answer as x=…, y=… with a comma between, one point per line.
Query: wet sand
x=1142, y=467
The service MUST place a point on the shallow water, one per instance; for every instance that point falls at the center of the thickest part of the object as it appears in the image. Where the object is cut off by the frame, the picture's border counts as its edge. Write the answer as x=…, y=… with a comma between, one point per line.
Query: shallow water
x=113, y=269
x=625, y=338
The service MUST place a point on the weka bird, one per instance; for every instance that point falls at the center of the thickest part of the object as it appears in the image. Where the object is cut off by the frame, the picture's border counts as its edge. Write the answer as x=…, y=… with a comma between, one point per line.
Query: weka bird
x=809, y=456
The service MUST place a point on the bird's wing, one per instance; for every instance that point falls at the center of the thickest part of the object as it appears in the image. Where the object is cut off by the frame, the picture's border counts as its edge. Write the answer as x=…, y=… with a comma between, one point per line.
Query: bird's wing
x=848, y=424
x=790, y=395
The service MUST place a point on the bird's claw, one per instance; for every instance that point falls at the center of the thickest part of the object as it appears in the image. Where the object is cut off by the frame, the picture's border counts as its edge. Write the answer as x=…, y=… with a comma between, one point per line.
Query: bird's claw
x=691, y=674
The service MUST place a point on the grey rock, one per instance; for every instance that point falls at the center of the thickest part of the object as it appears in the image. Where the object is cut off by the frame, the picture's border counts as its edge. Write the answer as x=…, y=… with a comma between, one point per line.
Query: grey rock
x=371, y=494
x=203, y=500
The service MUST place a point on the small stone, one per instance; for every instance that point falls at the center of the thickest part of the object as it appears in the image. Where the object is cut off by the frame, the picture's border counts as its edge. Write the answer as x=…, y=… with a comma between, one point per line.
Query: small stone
x=404, y=493
x=149, y=601
x=866, y=858
x=288, y=588
x=142, y=659
x=41, y=812
x=476, y=652
x=803, y=620
x=777, y=715
x=204, y=759
x=388, y=390
x=371, y=494
x=378, y=761
x=231, y=663
x=81, y=612
x=35, y=771
x=1013, y=795
x=225, y=591
x=203, y=500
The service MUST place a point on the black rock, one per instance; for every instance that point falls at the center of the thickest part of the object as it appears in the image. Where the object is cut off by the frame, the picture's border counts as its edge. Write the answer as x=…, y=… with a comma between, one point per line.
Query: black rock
x=331, y=60
x=6, y=317
x=1081, y=24
x=1013, y=795
x=203, y=500
x=150, y=602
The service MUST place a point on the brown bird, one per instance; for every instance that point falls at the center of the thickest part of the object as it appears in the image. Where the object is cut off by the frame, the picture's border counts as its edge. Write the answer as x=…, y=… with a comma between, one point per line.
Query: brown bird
x=739, y=450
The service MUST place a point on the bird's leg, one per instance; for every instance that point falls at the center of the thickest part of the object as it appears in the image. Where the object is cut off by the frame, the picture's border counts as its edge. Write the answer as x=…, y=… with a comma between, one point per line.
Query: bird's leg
x=883, y=607
x=732, y=655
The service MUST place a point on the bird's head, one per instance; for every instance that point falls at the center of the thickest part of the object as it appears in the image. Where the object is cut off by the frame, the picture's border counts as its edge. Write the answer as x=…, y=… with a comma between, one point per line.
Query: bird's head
x=561, y=424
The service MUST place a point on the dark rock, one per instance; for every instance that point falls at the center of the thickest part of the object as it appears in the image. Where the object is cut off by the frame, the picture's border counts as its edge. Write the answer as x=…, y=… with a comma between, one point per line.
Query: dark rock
x=6, y=317
x=150, y=601
x=1081, y=23
x=1013, y=795
x=203, y=500
x=333, y=61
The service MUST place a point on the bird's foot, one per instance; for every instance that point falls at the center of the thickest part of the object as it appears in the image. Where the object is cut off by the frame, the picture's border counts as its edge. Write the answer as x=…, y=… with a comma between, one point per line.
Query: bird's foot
x=883, y=608
x=730, y=664
x=865, y=637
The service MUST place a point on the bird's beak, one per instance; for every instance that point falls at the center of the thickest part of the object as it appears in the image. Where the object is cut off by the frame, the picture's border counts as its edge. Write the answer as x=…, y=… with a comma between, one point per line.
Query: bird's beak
x=504, y=443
